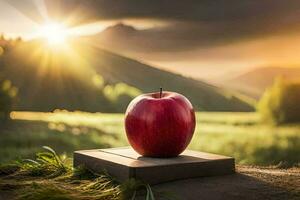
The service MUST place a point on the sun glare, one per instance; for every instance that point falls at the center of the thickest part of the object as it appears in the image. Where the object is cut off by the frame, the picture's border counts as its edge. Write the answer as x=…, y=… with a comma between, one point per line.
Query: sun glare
x=55, y=33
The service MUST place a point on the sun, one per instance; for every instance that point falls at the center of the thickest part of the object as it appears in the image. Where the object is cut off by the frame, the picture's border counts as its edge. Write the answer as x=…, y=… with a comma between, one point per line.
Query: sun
x=54, y=33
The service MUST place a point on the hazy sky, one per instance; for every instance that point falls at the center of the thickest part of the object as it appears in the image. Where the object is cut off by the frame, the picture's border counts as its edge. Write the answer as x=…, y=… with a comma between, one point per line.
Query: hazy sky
x=200, y=38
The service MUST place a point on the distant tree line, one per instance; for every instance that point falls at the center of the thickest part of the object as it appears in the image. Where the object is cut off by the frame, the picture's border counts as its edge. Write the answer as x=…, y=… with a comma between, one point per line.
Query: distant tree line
x=7, y=95
x=8, y=43
x=48, y=93
x=8, y=92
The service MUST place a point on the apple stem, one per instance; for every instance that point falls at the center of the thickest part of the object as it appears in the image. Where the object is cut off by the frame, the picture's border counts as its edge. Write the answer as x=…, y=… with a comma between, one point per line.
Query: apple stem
x=160, y=92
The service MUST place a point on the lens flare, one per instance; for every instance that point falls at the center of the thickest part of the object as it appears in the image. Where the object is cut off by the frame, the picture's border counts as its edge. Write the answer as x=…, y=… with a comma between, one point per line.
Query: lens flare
x=55, y=33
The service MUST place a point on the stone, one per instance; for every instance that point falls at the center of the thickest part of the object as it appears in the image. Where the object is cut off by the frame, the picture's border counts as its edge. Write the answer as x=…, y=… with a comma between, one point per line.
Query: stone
x=124, y=163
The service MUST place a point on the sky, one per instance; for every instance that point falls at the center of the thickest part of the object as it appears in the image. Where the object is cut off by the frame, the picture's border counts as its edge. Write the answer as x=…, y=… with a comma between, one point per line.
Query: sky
x=198, y=38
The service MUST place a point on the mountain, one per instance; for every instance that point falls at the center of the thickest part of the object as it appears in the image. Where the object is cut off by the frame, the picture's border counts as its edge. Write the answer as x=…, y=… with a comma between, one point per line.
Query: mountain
x=124, y=38
x=119, y=29
x=145, y=42
x=83, y=77
x=253, y=83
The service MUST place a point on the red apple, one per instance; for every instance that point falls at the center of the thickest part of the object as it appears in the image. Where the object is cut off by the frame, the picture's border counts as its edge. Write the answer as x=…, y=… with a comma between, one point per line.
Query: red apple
x=160, y=124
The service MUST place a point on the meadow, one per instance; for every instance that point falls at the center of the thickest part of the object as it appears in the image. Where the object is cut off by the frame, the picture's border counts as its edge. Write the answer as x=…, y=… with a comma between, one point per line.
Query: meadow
x=240, y=135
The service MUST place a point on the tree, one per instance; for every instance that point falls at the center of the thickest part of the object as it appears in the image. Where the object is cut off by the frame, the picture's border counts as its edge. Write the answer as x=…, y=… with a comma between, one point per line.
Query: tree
x=281, y=102
x=120, y=95
x=7, y=95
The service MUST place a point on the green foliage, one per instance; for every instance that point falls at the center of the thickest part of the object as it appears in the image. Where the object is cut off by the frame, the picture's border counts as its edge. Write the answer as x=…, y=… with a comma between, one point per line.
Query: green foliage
x=65, y=183
x=280, y=103
x=120, y=94
x=83, y=173
x=47, y=163
x=98, y=81
x=7, y=95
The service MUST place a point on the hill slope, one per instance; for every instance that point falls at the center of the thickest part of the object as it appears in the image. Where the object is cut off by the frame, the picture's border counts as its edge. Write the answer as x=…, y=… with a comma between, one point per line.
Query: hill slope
x=49, y=79
x=254, y=82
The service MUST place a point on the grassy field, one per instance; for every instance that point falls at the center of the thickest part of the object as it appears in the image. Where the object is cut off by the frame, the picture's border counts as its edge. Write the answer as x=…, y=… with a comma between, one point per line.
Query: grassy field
x=240, y=135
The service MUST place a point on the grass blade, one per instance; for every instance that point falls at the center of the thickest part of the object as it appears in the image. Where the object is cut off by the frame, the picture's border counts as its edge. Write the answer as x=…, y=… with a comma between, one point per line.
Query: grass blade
x=133, y=196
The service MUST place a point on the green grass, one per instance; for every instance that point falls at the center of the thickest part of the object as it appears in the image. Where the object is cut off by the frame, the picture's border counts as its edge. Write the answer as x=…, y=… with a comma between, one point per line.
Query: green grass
x=51, y=176
x=240, y=135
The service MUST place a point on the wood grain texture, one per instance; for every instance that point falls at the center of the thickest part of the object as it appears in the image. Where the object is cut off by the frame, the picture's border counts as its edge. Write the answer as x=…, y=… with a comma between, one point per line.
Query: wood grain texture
x=124, y=163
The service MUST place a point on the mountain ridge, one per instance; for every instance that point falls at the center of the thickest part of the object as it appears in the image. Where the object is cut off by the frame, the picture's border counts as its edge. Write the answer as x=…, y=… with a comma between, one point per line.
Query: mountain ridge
x=254, y=82
x=74, y=82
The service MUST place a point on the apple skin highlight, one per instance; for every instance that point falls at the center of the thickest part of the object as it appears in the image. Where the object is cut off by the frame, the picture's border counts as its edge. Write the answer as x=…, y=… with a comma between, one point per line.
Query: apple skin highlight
x=160, y=124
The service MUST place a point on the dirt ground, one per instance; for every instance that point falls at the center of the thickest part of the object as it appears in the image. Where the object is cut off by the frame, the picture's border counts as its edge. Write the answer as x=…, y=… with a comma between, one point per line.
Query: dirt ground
x=249, y=182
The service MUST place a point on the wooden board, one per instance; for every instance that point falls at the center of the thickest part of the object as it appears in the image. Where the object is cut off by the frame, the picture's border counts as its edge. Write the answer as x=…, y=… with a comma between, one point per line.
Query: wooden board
x=124, y=163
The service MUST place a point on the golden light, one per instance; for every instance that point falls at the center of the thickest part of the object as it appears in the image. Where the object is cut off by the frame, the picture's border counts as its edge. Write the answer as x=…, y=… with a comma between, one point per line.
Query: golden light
x=55, y=33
